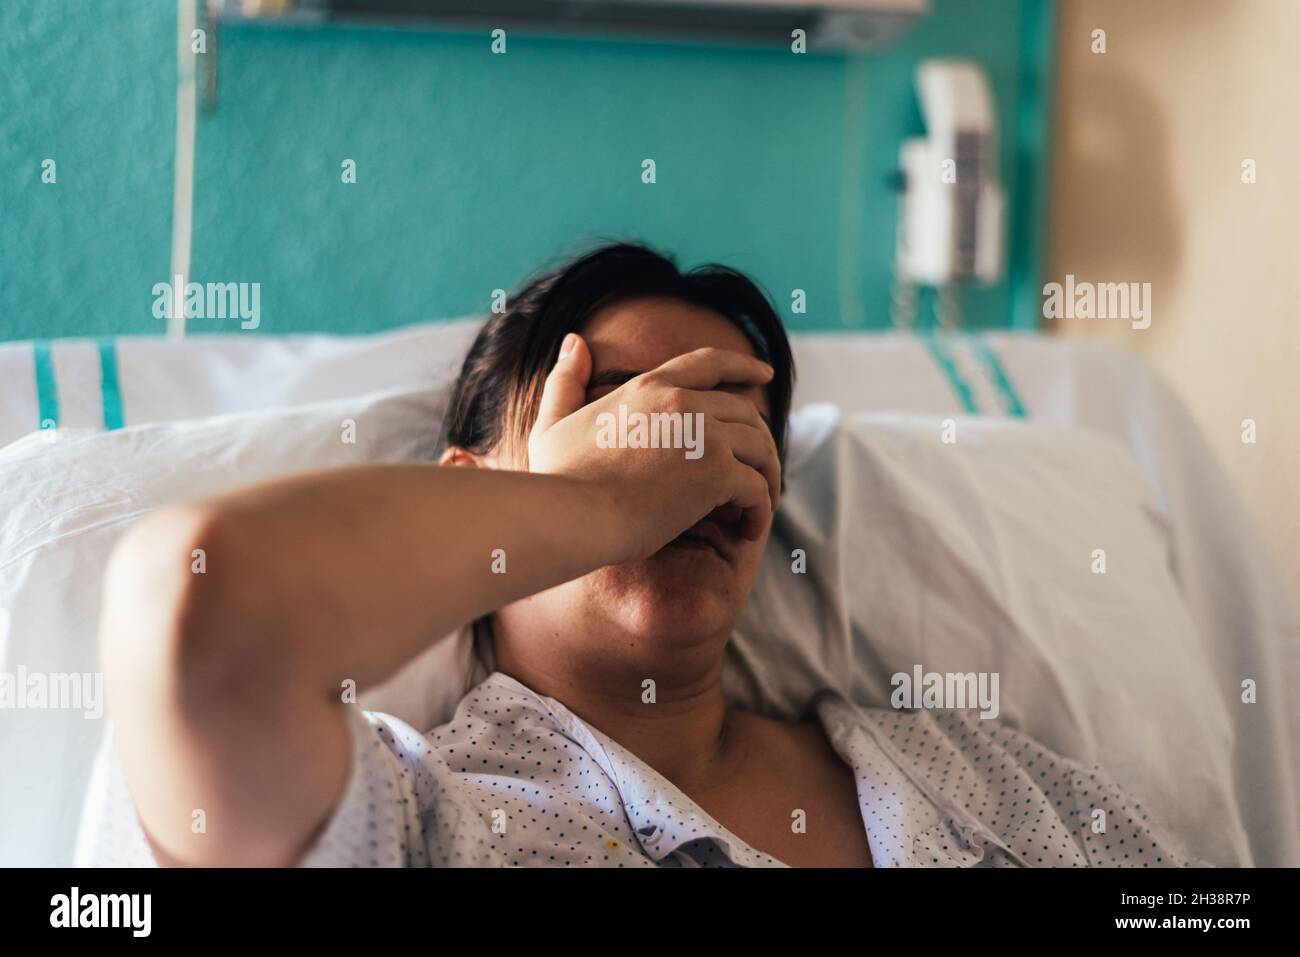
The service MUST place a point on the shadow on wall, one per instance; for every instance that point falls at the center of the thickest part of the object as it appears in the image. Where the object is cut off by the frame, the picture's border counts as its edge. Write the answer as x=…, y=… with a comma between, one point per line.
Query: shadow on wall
x=1113, y=193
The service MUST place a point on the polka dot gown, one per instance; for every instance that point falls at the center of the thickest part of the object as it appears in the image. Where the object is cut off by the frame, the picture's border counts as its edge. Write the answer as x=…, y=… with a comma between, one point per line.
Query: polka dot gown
x=516, y=779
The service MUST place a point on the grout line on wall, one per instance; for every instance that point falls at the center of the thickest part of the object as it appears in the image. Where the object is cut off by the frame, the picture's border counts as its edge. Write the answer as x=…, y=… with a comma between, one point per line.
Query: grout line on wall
x=853, y=152
x=183, y=167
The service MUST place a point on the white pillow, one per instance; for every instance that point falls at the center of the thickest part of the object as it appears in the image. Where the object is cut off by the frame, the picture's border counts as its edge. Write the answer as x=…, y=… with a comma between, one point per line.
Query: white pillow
x=65, y=498
x=978, y=556
x=967, y=557
x=161, y=379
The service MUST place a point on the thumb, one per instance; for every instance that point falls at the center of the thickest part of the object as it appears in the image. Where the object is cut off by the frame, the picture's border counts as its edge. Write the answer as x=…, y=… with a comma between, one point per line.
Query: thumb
x=565, y=391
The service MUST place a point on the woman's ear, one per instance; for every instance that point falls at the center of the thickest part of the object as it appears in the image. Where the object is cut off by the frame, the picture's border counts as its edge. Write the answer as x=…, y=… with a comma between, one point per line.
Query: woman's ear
x=462, y=458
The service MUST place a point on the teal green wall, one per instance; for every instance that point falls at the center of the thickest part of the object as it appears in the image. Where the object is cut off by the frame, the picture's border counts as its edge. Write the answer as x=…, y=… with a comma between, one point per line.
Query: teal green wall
x=473, y=169
x=90, y=84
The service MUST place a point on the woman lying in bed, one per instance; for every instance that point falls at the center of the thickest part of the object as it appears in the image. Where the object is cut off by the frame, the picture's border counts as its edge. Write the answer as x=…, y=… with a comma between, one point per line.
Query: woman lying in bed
x=604, y=580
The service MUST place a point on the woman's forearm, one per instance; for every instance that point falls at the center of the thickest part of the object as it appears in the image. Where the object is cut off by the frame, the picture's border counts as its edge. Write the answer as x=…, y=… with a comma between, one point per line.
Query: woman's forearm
x=348, y=574
x=229, y=628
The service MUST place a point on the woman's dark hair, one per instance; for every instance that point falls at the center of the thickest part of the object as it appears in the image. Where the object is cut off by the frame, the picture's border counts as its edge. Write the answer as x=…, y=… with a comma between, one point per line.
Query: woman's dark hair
x=497, y=393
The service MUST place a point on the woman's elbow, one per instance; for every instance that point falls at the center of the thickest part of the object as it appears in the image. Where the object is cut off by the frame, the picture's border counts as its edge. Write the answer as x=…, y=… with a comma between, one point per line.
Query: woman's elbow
x=173, y=618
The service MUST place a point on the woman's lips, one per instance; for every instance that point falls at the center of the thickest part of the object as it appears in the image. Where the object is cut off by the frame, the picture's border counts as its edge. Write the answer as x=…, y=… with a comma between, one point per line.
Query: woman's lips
x=705, y=534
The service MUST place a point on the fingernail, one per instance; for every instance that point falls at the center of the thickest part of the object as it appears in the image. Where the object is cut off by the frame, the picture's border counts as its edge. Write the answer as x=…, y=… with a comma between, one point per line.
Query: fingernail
x=570, y=340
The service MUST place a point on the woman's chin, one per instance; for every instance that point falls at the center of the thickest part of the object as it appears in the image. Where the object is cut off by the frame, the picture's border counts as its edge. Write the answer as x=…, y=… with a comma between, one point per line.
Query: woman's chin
x=680, y=592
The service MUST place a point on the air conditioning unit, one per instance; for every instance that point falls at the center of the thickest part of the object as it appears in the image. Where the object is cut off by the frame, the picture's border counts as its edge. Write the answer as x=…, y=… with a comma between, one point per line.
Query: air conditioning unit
x=827, y=24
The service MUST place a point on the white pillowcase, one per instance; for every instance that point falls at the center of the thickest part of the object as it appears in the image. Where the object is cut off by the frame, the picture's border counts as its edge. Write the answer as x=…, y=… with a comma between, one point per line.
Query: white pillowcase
x=966, y=557
x=65, y=500
x=978, y=556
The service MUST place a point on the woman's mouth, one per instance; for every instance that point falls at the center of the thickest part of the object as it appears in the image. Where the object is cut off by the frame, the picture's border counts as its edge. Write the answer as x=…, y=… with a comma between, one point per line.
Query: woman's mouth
x=704, y=535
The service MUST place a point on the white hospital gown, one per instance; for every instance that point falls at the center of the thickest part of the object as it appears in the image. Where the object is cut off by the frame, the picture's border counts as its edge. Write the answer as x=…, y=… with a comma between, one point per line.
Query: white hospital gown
x=517, y=779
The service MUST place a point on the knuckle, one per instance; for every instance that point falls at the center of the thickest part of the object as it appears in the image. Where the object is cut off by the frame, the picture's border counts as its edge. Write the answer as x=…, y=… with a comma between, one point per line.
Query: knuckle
x=678, y=399
x=645, y=387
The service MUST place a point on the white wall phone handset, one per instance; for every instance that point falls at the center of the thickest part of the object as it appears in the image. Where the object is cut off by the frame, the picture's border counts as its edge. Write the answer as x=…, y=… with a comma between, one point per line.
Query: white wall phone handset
x=951, y=220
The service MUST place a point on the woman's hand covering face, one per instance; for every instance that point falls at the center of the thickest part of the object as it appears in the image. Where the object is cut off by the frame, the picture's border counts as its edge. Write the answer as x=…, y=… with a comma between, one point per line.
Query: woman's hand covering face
x=660, y=492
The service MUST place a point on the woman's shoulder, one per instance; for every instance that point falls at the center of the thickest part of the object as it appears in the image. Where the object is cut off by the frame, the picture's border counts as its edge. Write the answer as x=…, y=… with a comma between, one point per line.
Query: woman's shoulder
x=1042, y=806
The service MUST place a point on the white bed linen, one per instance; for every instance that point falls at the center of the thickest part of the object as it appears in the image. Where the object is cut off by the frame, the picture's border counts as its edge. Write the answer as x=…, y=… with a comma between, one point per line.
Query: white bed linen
x=1244, y=618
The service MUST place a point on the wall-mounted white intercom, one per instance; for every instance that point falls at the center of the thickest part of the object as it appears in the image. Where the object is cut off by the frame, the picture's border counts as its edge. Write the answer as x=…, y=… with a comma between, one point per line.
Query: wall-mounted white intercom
x=951, y=224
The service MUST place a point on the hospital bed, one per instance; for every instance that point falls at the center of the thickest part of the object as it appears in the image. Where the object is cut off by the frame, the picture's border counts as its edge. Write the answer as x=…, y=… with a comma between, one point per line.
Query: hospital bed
x=93, y=433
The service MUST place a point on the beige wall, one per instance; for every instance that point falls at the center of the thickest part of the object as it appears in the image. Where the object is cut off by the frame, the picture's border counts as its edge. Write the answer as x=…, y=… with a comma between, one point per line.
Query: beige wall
x=1150, y=138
